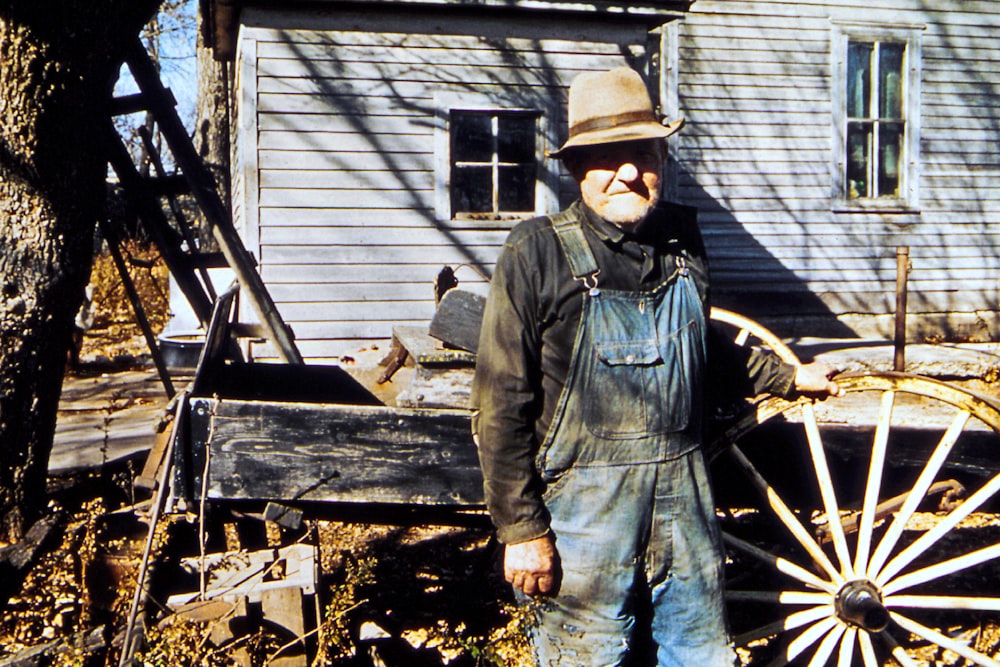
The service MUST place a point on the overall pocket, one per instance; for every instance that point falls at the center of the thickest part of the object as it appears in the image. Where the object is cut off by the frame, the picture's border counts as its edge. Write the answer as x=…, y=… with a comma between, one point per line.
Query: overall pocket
x=640, y=387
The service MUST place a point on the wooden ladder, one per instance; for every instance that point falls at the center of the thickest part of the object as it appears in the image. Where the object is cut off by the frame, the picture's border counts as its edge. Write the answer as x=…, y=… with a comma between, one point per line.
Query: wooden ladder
x=175, y=243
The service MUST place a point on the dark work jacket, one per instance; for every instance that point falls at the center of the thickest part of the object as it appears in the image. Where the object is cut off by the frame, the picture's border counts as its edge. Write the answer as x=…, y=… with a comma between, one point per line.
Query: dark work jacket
x=526, y=344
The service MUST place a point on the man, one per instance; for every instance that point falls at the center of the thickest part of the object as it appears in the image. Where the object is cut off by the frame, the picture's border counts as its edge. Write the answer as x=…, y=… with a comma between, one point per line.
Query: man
x=592, y=366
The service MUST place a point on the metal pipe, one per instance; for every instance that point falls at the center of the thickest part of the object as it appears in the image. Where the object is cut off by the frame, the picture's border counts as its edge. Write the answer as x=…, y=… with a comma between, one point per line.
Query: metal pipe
x=902, y=271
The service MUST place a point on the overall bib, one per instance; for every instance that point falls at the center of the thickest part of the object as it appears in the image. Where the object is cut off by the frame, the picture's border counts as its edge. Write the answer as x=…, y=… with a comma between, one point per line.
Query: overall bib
x=626, y=481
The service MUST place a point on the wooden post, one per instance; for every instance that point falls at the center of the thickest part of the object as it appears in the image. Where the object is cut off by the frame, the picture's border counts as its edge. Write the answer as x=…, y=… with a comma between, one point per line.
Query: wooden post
x=902, y=271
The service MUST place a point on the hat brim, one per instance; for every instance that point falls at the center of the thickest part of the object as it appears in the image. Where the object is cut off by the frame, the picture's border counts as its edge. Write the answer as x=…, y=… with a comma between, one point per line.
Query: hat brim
x=621, y=133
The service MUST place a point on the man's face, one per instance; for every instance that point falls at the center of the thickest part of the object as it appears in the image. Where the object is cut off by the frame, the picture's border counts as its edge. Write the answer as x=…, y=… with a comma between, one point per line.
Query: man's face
x=619, y=181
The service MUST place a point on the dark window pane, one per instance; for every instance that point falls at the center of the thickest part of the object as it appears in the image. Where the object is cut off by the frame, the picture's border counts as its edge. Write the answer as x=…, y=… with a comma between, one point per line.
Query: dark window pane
x=472, y=190
x=517, y=188
x=516, y=138
x=471, y=137
x=890, y=75
x=859, y=79
x=858, y=159
x=890, y=148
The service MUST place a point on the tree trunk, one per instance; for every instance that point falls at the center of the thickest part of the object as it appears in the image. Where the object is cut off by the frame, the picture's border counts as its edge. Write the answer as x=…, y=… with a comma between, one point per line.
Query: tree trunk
x=58, y=62
x=211, y=135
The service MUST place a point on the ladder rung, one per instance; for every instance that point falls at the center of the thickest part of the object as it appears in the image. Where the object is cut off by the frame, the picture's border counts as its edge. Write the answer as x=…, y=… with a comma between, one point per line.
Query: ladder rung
x=208, y=260
x=172, y=184
x=136, y=102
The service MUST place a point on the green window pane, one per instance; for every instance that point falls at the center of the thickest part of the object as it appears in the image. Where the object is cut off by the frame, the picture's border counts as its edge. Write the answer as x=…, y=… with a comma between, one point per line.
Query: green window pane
x=859, y=141
x=517, y=188
x=471, y=137
x=890, y=75
x=890, y=148
x=472, y=190
x=516, y=138
x=859, y=79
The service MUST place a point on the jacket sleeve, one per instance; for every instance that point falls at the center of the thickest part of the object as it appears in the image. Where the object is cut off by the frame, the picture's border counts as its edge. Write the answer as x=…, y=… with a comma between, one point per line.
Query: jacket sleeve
x=505, y=398
x=736, y=372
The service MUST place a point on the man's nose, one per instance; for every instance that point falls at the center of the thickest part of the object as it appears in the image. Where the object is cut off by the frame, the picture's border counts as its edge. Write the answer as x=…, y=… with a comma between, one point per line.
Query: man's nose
x=628, y=172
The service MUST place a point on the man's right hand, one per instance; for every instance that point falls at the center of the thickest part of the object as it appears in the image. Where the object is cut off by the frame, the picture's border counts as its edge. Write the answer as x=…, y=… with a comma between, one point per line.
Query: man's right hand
x=533, y=566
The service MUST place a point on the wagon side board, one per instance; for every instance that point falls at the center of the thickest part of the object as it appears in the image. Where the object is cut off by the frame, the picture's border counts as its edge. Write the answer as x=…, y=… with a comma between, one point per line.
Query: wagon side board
x=260, y=450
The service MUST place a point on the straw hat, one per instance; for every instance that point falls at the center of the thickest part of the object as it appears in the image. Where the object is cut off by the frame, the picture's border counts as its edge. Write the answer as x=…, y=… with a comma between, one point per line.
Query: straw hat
x=612, y=106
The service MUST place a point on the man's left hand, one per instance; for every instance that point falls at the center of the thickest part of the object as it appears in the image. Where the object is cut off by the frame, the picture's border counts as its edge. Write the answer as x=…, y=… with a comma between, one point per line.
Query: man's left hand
x=815, y=379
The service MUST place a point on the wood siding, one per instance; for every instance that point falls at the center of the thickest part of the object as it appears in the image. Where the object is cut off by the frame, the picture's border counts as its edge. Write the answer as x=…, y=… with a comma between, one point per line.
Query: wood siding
x=755, y=85
x=337, y=149
x=337, y=182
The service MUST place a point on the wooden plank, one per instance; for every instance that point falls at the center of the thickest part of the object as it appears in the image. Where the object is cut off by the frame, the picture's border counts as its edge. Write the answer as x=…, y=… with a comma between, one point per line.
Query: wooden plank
x=387, y=255
x=378, y=199
x=416, y=142
x=428, y=351
x=334, y=453
x=353, y=273
x=283, y=607
x=358, y=236
x=458, y=319
x=282, y=25
x=475, y=69
x=372, y=44
x=349, y=216
x=365, y=159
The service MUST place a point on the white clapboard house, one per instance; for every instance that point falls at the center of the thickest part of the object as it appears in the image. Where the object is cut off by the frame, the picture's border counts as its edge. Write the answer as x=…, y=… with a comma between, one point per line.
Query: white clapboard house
x=377, y=142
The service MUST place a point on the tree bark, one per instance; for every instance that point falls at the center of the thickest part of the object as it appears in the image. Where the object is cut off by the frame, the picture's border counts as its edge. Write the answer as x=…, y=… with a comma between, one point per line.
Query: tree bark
x=212, y=126
x=58, y=63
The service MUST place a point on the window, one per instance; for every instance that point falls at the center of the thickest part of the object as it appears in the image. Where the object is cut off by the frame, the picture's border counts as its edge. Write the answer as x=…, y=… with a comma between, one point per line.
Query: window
x=489, y=158
x=876, y=112
x=875, y=123
x=494, y=163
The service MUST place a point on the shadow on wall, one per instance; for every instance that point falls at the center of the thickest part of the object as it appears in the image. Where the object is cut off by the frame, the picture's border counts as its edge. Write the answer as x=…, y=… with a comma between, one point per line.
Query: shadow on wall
x=748, y=279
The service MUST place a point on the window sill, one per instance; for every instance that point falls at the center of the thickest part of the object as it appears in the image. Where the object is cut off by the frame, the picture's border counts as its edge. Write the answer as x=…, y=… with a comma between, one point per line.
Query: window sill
x=874, y=206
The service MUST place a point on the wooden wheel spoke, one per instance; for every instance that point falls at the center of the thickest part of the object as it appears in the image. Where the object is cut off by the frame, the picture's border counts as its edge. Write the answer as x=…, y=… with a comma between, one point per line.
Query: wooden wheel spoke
x=917, y=493
x=965, y=603
x=827, y=491
x=876, y=467
x=898, y=652
x=928, y=539
x=780, y=564
x=845, y=657
x=780, y=597
x=942, y=569
x=827, y=646
x=785, y=515
x=794, y=620
x=944, y=641
x=867, y=650
x=808, y=637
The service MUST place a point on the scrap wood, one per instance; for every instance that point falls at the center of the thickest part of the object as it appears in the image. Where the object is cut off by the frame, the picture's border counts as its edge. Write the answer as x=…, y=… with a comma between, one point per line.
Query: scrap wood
x=16, y=560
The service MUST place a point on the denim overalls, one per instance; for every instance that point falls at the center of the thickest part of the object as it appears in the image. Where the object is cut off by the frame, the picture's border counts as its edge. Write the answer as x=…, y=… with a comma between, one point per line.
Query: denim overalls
x=627, y=486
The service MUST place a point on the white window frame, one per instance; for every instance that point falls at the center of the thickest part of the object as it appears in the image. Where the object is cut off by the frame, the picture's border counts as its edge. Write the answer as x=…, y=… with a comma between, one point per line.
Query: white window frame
x=842, y=34
x=546, y=181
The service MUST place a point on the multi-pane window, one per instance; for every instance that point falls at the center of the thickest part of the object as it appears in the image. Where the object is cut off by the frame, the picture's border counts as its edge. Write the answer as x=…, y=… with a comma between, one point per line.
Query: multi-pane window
x=876, y=120
x=876, y=117
x=493, y=163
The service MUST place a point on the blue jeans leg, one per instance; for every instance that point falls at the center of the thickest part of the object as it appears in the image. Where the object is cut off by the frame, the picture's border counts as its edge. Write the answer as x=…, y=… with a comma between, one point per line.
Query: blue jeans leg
x=689, y=617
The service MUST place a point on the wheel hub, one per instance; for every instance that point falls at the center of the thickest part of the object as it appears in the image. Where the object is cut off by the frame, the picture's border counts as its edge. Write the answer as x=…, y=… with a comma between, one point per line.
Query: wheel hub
x=860, y=604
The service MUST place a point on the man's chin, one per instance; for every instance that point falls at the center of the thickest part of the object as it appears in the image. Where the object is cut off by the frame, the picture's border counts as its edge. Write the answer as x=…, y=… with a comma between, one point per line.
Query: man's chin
x=627, y=217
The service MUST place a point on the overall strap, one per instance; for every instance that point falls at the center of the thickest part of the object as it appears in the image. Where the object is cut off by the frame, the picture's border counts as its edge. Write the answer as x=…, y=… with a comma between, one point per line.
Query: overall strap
x=581, y=259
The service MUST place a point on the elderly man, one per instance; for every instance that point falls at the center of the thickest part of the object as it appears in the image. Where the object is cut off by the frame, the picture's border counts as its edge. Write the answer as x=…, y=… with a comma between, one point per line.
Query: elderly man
x=589, y=389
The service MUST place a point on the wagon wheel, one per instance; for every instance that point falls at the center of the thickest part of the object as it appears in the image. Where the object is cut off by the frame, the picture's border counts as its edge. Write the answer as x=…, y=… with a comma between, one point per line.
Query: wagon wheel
x=910, y=571
x=895, y=576
x=748, y=332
